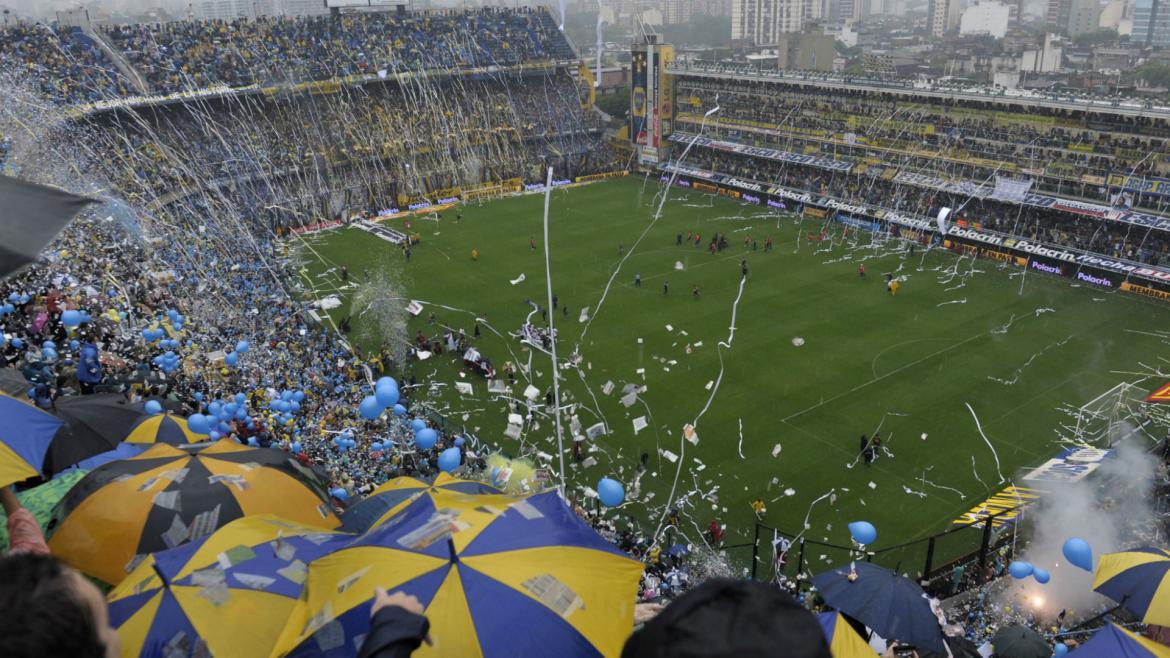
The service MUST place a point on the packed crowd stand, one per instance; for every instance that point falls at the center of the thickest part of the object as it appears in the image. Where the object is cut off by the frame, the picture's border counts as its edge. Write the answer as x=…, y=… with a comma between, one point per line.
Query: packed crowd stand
x=1056, y=151
x=196, y=54
x=1053, y=227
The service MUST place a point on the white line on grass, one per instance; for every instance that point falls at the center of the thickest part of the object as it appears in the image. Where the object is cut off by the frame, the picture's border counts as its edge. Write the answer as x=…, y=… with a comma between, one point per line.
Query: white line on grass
x=878, y=379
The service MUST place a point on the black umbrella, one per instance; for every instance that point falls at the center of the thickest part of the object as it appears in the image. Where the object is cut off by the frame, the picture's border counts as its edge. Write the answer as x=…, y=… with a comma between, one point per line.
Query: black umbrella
x=1020, y=642
x=13, y=383
x=895, y=607
x=93, y=424
x=960, y=647
x=33, y=216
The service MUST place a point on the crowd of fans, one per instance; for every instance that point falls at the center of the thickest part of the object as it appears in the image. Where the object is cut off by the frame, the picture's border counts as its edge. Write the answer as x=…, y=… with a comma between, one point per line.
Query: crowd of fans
x=197, y=54
x=66, y=65
x=1100, y=236
x=973, y=145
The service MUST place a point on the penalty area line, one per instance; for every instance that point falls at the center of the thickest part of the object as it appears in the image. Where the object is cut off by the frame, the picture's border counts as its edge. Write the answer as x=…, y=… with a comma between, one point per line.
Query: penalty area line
x=878, y=379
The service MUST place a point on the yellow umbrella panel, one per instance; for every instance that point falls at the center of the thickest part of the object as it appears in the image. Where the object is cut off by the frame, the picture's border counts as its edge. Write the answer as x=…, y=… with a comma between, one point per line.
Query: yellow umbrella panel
x=166, y=497
x=498, y=576
x=230, y=593
x=1139, y=580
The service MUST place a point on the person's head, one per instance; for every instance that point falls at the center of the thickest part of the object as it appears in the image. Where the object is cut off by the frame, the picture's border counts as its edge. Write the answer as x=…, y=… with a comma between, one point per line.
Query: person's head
x=49, y=609
x=725, y=617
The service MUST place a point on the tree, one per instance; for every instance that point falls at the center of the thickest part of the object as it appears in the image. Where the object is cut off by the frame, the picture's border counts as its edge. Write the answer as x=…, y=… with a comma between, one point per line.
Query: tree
x=1156, y=75
x=616, y=104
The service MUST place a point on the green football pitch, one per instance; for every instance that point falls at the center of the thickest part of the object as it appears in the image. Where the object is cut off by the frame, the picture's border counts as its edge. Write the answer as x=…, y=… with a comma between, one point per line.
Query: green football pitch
x=776, y=421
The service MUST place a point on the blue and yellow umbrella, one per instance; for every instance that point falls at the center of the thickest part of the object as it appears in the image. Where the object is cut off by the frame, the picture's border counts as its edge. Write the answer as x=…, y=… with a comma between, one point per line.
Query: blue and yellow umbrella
x=1139, y=580
x=25, y=434
x=844, y=642
x=396, y=494
x=1113, y=641
x=231, y=592
x=498, y=576
x=163, y=428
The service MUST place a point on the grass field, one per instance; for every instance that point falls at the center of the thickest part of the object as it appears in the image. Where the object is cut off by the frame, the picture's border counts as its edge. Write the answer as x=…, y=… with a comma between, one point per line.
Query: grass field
x=957, y=332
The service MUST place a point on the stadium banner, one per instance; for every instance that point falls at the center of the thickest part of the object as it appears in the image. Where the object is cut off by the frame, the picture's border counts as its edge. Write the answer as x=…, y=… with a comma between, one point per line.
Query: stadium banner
x=595, y=177
x=765, y=153
x=1141, y=184
x=313, y=228
x=638, y=97
x=1003, y=507
x=664, y=91
x=1163, y=295
x=1071, y=465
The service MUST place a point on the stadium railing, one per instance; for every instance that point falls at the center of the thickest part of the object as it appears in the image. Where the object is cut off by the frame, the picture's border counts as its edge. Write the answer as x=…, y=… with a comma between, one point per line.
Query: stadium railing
x=974, y=551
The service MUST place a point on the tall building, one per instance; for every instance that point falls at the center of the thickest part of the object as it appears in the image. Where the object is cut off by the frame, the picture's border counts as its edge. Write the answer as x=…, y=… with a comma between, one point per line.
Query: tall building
x=675, y=12
x=1151, y=23
x=990, y=18
x=943, y=17
x=763, y=21
x=1056, y=15
x=1083, y=16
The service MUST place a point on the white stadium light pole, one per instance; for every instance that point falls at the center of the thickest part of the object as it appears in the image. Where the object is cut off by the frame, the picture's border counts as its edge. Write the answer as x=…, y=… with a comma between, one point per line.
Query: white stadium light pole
x=552, y=335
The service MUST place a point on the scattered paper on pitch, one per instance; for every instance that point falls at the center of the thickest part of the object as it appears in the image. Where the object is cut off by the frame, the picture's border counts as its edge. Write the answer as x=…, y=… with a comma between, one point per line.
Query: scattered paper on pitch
x=414, y=307
x=669, y=328
x=519, y=279
x=640, y=424
x=872, y=484
x=608, y=387
x=595, y=430
x=497, y=386
x=630, y=398
x=670, y=456
x=678, y=265
x=423, y=355
x=531, y=392
x=709, y=384
x=690, y=434
x=464, y=388
x=583, y=316
x=776, y=449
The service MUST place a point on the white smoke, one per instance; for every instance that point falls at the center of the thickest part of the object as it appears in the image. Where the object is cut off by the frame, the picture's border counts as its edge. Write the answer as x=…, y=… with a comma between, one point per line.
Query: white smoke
x=1111, y=509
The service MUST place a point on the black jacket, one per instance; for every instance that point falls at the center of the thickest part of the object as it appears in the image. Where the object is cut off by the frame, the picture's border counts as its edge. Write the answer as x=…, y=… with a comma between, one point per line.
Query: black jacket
x=394, y=633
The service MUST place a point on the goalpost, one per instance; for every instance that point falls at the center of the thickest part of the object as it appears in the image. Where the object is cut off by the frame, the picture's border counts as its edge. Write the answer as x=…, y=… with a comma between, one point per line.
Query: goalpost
x=1117, y=414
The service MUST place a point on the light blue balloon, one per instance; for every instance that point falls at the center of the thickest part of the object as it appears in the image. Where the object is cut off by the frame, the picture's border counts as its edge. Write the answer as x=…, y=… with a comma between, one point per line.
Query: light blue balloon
x=426, y=438
x=298, y=397
x=1078, y=552
x=241, y=398
x=369, y=408
x=296, y=447
x=214, y=435
x=418, y=424
x=459, y=441
x=399, y=410
x=286, y=395
x=339, y=493
x=198, y=423
x=293, y=405
x=386, y=390
x=198, y=396
x=611, y=492
x=153, y=407
x=449, y=459
x=242, y=346
x=231, y=359
x=1020, y=570
x=1060, y=649
x=17, y=343
x=863, y=532
x=1041, y=575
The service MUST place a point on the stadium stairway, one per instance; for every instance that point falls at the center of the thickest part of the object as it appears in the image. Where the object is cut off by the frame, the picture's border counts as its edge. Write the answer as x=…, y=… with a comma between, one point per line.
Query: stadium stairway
x=558, y=47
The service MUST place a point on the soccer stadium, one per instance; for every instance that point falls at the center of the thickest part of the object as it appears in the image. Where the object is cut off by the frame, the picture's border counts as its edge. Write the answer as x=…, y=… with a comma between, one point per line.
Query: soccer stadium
x=369, y=333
